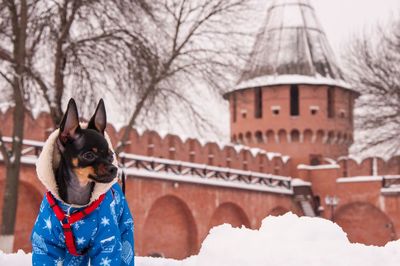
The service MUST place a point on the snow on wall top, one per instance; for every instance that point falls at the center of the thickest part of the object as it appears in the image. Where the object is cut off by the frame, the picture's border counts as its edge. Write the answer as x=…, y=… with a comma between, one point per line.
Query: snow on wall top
x=291, y=42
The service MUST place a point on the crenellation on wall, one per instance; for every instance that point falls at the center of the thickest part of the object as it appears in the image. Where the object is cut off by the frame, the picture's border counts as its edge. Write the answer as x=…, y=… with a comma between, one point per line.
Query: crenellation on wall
x=291, y=135
x=169, y=146
x=392, y=166
x=370, y=166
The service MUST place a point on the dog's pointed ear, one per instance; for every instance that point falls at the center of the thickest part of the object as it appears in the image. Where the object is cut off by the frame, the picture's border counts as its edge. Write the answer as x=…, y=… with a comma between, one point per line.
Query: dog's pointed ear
x=98, y=121
x=69, y=126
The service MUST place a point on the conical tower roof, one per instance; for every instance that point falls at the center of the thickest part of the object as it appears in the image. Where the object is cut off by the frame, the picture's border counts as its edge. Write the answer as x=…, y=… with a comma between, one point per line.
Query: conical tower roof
x=291, y=48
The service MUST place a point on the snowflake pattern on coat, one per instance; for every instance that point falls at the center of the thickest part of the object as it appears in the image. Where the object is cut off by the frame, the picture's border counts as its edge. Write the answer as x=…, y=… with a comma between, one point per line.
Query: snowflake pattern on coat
x=105, y=236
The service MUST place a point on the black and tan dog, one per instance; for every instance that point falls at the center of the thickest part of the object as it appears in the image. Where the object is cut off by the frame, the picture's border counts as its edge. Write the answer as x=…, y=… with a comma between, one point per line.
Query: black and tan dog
x=84, y=217
x=85, y=156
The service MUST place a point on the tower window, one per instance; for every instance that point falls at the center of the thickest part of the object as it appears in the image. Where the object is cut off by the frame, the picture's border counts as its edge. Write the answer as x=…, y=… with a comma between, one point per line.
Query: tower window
x=314, y=110
x=315, y=159
x=342, y=113
x=258, y=107
x=331, y=102
x=275, y=110
x=259, y=137
x=294, y=100
x=234, y=111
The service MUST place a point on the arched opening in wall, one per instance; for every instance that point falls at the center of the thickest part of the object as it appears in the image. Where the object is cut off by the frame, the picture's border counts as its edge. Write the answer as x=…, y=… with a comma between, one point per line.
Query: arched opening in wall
x=295, y=135
x=365, y=223
x=29, y=199
x=259, y=137
x=229, y=213
x=339, y=138
x=308, y=136
x=249, y=137
x=234, y=139
x=240, y=138
x=331, y=137
x=320, y=136
x=270, y=136
x=345, y=138
x=282, y=136
x=169, y=229
x=278, y=211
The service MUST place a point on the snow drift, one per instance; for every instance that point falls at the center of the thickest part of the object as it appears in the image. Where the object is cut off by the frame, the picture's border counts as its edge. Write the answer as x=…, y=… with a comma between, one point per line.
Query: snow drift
x=286, y=240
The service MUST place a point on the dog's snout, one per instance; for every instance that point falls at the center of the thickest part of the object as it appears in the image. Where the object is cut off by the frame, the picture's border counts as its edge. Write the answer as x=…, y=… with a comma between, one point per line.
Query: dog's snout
x=112, y=170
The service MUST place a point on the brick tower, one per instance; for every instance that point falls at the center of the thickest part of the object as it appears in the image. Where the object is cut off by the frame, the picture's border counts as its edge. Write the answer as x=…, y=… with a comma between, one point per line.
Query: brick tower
x=291, y=97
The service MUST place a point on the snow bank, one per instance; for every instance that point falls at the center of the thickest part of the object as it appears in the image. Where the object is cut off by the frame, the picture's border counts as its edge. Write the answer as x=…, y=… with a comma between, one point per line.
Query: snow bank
x=16, y=259
x=281, y=241
x=290, y=240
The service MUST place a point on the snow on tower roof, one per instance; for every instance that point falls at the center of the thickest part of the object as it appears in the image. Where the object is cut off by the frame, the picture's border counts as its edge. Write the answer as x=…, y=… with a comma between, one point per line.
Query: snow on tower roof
x=291, y=48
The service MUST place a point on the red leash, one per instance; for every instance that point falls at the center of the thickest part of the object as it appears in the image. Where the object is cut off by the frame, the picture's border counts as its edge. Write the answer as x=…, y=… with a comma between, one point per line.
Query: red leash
x=67, y=221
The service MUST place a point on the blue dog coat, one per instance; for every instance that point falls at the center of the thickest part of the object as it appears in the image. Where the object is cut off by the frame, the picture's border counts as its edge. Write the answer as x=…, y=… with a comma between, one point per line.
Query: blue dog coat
x=103, y=237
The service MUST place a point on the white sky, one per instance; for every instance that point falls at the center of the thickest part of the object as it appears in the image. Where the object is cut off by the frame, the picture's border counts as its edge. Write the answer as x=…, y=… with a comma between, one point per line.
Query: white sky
x=342, y=18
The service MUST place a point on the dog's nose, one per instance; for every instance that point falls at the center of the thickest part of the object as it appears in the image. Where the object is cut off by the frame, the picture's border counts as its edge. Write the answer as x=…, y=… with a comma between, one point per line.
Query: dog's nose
x=112, y=170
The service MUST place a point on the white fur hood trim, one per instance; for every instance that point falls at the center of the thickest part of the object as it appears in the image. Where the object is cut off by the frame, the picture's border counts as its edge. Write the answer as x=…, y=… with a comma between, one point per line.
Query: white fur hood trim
x=48, y=162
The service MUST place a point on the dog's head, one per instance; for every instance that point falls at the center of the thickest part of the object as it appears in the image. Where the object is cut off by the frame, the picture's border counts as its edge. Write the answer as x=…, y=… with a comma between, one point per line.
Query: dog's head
x=86, y=151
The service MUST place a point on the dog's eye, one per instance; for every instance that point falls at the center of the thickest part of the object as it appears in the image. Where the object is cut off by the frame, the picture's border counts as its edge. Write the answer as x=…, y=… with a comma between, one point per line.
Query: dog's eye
x=89, y=156
x=110, y=157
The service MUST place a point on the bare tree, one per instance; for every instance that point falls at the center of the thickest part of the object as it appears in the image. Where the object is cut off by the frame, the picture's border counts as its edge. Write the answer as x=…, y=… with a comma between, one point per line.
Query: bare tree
x=52, y=49
x=152, y=54
x=197, y=42
x=373, y=62
x=83, y=45
x=14, y=26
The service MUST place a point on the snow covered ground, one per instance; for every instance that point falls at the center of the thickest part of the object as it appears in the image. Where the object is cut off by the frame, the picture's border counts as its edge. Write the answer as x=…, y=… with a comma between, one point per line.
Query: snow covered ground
x=286, y=240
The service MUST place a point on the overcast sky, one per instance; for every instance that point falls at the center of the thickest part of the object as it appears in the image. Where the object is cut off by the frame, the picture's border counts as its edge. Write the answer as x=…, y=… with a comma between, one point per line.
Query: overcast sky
x=342, y=18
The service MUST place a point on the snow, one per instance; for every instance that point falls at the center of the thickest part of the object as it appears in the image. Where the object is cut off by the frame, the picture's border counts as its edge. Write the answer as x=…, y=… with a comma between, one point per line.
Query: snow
x=285, y=240
x=359, y=179
x=209, y=182
x=256, y=151
x=390, y=190
x=318, y=167
x=272, y=80
x=299, y=183
x=25, y=141
x=29, y=159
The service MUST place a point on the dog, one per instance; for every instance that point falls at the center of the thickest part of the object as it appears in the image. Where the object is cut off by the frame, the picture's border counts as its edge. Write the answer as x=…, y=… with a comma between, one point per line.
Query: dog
x=84, y=217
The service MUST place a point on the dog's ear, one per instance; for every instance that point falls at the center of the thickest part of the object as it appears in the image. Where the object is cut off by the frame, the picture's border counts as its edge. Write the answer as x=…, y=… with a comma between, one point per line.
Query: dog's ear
x=98, y=121
x=69, y=126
